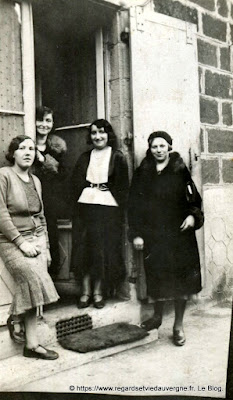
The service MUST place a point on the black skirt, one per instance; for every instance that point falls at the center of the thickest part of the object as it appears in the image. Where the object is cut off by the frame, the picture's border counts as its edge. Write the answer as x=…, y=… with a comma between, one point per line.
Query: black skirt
x=97, y=245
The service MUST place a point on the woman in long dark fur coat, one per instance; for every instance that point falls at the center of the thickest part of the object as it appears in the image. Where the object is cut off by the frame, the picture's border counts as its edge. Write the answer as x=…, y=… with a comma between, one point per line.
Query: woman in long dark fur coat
x=164, y=211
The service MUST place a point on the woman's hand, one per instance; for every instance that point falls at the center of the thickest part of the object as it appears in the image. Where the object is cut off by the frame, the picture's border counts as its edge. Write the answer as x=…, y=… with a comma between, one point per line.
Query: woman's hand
x=40, y=156
x=138, y=243
x=29, y=249
x=49, y=259
x=188, y=223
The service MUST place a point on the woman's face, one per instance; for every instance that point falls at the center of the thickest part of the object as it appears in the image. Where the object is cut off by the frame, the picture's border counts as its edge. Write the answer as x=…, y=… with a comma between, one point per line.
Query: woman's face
x=25, y=154
x=45, y=126
x=160, y=149
x=99, y=137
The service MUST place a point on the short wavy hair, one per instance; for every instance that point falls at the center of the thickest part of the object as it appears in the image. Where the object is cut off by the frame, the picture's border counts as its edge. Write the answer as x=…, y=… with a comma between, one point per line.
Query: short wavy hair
x=103, y=123
x=14, y=145
x=41, y=111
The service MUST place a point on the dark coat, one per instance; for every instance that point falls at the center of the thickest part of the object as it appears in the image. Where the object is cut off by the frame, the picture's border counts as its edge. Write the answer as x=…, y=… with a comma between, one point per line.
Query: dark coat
x=158, y=204
x=51, y=172
x=118, y=183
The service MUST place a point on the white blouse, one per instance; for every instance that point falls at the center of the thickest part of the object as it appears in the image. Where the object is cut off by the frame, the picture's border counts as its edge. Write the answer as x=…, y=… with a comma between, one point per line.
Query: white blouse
x=97, y=173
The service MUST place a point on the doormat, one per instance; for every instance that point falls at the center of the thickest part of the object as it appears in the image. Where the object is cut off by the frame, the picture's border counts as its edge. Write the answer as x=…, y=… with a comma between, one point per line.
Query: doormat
x=103, y=337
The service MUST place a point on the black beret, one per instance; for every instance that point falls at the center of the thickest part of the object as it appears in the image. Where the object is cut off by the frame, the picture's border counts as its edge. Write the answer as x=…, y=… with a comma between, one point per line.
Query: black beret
x=161, y=134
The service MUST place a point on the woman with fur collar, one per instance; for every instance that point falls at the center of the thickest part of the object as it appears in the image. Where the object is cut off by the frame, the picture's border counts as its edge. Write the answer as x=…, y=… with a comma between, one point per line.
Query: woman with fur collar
x=49, y=167
x=164, y=211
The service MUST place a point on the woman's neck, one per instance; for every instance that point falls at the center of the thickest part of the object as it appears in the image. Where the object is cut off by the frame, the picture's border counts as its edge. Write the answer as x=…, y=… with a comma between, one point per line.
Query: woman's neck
x=160, y=166
x=41, y=140
x=98, y=150
x=23, y=173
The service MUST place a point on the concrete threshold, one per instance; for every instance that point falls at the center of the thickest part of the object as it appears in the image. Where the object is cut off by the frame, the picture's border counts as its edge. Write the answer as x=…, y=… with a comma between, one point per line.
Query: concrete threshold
x=16, y=371
x=114, y=311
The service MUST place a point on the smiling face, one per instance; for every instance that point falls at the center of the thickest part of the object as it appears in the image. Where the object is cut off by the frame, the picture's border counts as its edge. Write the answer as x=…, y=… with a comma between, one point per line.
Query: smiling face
x=44, y=126
x=25, y=154
x=160, y=149
x=99, y=137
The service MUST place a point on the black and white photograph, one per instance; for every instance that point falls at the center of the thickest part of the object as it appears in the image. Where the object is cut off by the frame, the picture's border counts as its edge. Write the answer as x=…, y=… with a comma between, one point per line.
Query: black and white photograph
x=116, y=199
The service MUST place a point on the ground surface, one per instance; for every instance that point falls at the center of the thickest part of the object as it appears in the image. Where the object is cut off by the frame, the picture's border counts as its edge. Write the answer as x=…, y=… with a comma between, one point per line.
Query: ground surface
x=158, y=368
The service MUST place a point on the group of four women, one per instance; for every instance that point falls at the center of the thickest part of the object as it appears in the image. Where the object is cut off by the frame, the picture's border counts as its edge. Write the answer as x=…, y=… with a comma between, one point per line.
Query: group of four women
x=164, y=209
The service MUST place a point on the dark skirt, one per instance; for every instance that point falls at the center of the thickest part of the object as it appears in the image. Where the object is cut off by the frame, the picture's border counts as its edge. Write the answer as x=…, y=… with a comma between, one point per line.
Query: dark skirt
x=97, y=245
x=172, y=265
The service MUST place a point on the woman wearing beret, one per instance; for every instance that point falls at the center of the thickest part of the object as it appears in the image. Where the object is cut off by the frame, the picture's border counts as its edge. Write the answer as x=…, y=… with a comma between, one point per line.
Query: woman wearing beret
x=49, y=167
x=99, y=190
x=164, y=211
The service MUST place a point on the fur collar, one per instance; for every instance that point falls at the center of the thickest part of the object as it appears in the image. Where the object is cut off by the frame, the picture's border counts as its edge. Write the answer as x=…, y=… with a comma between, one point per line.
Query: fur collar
x=56, y=144
x=176, y=162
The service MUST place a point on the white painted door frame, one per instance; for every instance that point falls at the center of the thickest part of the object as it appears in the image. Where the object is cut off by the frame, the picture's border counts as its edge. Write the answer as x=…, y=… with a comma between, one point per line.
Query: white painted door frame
x=28, y=68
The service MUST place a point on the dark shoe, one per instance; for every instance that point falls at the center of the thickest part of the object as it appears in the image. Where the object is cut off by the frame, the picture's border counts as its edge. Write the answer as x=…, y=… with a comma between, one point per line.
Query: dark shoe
x=178, y=337
x=151, y=323
x=17, y=337
x=32, y=353
x=84, y=304
x=100, y=303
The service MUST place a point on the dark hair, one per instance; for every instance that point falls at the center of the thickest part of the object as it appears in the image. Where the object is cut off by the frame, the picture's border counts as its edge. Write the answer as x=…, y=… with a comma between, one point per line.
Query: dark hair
x=103, y=123
x=14, y=145
x=41, y=111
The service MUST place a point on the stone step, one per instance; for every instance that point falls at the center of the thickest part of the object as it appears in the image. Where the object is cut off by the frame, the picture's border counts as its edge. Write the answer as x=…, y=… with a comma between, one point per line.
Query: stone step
x=17, y=371
x=114, y=311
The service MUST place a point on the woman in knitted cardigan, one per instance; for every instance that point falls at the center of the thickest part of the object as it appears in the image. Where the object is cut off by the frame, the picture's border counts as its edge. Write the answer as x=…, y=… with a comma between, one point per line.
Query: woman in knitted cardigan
x=24, y=245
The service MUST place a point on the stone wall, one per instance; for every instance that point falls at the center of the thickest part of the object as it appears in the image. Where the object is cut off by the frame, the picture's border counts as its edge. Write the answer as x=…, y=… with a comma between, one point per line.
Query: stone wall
x=119, y=110
x=214, y=20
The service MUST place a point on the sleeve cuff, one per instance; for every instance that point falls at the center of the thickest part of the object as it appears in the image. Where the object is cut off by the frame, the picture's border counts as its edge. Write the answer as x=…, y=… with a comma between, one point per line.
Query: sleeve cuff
x=18, y=240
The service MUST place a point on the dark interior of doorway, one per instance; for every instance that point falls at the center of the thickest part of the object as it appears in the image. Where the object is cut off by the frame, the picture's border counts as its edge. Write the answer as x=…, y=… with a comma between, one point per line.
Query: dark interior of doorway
x=65, y=61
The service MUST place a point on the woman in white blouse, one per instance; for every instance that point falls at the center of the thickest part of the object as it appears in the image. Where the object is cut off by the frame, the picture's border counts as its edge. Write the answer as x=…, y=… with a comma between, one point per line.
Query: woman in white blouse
x=99, y=190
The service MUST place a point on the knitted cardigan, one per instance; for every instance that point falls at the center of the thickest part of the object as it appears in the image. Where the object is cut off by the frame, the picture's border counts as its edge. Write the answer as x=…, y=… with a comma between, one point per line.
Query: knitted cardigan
x=15, y=215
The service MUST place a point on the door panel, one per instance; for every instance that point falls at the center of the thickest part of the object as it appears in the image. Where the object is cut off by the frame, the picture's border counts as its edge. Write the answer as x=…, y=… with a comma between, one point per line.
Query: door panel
x=165, y=90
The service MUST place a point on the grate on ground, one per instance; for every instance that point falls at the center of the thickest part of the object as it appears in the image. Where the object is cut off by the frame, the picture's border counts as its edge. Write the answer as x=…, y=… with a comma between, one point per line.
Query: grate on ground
x=75, y=324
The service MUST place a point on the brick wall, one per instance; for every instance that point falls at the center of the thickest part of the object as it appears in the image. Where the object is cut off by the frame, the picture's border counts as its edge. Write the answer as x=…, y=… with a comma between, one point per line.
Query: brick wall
x=214, y=20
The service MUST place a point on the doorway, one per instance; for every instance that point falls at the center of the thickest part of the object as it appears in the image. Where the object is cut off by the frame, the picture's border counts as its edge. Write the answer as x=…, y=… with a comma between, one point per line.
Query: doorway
x=69, y=71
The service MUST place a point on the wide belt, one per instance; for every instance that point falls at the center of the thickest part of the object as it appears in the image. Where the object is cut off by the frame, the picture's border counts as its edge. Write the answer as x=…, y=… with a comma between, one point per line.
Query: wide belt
x=38, y=231
x=101, y=186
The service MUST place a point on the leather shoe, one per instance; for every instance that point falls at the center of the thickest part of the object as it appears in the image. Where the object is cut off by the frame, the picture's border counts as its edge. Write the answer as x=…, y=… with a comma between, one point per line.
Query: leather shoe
x=32, y=353
x=84, y=304
x=178, y=337
x=100, y=303
x=17, y=337
x=151, y=323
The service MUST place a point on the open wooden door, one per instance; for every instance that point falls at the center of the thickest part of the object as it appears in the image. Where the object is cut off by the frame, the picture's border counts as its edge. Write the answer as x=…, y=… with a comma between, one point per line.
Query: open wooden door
x=165, y=90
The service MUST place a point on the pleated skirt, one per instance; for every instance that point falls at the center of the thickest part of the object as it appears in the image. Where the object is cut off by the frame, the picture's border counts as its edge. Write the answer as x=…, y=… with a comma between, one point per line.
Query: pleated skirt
x=33, y=284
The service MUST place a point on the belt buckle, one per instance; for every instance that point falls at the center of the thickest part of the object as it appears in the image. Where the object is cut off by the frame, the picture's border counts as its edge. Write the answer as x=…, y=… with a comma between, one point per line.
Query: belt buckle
x=27, y=233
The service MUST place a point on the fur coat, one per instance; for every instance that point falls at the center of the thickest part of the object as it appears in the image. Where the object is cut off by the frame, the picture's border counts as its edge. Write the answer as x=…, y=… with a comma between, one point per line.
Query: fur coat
x=53, y=155
x=158, y=205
